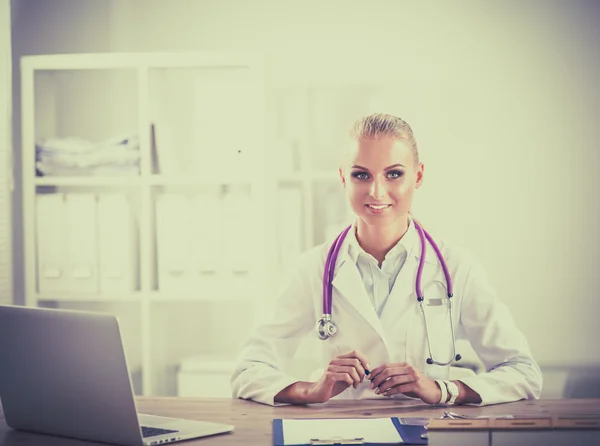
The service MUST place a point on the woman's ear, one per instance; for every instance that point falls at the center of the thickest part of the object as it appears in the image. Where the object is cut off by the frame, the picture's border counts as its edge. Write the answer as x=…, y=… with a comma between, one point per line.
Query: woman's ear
x=420, y=171
x=341, y=172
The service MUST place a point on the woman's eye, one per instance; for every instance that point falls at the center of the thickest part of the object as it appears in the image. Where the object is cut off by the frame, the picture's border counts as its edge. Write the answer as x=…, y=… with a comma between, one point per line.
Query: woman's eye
x=395, y=174
x=361, y=175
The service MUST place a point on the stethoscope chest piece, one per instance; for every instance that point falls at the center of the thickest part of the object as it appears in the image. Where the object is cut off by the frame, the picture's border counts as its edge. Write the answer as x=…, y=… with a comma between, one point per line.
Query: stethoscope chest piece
x=325, y=327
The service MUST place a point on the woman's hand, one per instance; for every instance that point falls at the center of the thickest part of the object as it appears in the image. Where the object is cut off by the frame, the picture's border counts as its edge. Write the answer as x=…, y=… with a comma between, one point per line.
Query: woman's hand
x=391, y=379
x=343, y=371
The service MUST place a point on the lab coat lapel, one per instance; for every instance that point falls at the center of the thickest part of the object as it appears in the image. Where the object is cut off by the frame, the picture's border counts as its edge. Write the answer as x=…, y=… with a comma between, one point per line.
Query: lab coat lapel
x=348, y=282
x=394, y=317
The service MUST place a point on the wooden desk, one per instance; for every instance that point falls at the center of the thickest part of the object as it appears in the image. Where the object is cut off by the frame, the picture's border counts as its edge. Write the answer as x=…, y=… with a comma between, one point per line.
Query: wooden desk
x=252, y=421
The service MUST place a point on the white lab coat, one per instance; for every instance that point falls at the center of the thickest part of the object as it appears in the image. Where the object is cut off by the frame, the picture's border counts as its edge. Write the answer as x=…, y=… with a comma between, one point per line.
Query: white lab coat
x=399, y=334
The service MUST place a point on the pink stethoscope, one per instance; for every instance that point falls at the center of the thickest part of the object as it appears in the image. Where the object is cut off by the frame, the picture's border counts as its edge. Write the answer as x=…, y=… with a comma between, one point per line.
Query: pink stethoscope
x=325, y=326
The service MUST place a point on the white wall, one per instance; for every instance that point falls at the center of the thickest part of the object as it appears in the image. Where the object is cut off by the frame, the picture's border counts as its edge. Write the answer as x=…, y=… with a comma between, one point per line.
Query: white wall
x=501, y=95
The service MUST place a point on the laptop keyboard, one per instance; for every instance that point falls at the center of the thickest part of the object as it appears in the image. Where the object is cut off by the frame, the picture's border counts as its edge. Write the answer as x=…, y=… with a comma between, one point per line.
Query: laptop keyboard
x=153, y=431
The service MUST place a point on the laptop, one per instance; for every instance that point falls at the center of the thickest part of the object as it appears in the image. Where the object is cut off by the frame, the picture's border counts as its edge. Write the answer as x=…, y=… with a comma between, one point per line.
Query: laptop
x=64, y=373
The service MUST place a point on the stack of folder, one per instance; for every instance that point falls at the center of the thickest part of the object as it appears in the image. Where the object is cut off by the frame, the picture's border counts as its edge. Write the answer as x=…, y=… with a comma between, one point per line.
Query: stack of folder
x=515, y=431
x=85, y=243
x=205, y=240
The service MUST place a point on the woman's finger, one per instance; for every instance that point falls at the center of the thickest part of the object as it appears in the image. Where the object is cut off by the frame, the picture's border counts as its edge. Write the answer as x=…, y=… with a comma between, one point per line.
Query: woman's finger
x=349, y=370
x=388, y=372
x=359, y=356
x=405, y=389
x=393, y=382
x=335, y=377
x=350, y=362
x=380, y=369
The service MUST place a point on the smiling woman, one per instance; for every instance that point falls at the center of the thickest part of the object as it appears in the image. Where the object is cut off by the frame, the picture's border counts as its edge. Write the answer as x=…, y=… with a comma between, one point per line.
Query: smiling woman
x=381, y=335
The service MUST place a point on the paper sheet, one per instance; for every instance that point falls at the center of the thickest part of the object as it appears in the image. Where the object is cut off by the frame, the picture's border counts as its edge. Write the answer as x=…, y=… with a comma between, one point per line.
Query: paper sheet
x=373, y=430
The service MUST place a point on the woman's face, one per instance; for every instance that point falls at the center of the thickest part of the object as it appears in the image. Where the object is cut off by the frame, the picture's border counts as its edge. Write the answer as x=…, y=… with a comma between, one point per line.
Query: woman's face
x=380, y=177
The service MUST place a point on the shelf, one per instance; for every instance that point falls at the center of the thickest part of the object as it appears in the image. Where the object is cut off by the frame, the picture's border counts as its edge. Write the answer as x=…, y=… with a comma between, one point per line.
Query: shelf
x=299, y=177
x=153, y=296
x=211, y=290
x=99, y=61
x=154, y=180
x=189, y=297
x=89, y=181
x=135, y=296
x=167, y=91
x=204, y=180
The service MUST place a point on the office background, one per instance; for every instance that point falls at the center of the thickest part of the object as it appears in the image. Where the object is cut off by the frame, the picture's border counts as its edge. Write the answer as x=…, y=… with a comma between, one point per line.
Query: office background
x=502, y=100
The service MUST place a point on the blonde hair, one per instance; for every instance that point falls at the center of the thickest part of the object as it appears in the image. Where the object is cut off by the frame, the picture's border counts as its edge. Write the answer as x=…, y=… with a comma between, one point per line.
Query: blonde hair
x=381, y=125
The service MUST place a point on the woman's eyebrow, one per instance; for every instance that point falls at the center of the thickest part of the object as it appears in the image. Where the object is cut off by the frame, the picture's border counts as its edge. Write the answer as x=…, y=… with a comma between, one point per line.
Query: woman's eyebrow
x=356, y=166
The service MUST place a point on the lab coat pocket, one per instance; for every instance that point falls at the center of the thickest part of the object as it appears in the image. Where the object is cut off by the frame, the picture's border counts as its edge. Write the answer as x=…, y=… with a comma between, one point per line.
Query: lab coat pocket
x=430, y=332
x=437, y=320
x=435, y=306
x=440, y=339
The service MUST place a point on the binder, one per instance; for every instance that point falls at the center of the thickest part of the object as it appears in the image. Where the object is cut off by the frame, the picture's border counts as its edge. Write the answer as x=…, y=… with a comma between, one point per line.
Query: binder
x=173, y=240
x=82, y=271
x=207, y=234
x=50, y=232
x=238, y=240
x=406, y=433
x=116, y=247
x=289, y=226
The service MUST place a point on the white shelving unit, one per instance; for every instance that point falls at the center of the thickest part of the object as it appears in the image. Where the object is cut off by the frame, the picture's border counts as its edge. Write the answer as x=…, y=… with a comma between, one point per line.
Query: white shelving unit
x=172, y=104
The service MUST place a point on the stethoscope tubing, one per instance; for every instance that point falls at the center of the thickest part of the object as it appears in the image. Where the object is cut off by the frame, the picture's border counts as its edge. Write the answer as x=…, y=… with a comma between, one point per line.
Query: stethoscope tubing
x=330, y=269
x=422, y=236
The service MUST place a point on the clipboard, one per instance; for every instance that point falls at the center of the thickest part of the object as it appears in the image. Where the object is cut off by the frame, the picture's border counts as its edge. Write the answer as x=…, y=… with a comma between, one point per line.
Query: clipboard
x=410, y=434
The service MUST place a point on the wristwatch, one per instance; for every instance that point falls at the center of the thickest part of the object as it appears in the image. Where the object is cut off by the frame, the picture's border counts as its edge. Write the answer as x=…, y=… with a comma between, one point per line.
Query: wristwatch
x=452, y=391
x=444, y=390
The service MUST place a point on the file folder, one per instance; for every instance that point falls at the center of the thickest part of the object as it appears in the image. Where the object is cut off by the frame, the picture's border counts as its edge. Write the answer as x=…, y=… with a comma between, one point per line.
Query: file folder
x=207, y=233
x=81, y=223
x=116, y=244
x=358, y=431
x=289, y=227
x=173, y=243
x=239, y=243
x=50, y=232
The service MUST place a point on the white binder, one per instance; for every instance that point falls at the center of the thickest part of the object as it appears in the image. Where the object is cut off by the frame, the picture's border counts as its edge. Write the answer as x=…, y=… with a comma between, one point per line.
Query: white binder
x=116, y=244
x=207, y=233
x=289, y=216
x=51, y=254
x=81, y=220
x=173, y=243
x=238, y=241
